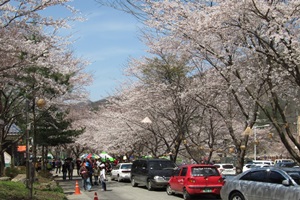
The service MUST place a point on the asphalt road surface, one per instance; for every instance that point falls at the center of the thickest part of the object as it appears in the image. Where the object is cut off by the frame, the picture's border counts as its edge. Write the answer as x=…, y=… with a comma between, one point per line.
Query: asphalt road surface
x=124, y=191
x=118, y=191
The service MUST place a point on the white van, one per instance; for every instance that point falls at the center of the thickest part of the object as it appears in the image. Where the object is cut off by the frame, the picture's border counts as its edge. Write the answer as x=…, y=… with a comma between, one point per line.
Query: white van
x=265, y=162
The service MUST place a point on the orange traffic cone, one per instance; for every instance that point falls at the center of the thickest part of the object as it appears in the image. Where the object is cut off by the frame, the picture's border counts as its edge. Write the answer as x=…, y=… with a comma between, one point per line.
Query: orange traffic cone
x=96, y=197
x=77, y=189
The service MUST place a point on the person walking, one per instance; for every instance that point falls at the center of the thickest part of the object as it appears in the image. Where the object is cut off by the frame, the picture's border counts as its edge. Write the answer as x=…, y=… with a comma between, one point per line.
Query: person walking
x=86, y=184
x=96, y=174
x=89, y=166
x=58, y=165
x=78, y=165
x=103, y=177
x=64, y=170
x=70, y=169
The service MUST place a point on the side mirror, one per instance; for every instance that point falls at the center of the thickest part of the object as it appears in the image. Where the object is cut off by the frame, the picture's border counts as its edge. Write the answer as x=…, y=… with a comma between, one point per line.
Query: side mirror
x=286, y=183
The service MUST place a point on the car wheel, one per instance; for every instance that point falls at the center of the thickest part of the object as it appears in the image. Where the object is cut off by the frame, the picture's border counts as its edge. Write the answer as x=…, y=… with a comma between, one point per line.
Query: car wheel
x=119, y=178
x=186, y=195
x=169, y=190
x=133, y=183
x=149, y=185
x=236, y=196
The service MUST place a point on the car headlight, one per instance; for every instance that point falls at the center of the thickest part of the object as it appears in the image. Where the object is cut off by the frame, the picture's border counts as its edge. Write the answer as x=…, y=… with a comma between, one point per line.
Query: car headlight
x=159, y=178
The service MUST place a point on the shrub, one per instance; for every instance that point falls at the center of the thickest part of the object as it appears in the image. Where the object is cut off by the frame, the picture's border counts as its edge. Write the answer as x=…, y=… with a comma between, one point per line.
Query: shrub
x=11, y=172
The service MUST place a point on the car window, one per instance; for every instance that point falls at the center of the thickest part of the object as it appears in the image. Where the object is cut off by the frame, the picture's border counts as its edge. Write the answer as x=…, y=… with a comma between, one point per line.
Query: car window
x=296, y=176
x=161, y=165
x=126, y=166
x=259, y=176
x=176, y=172
x=218, y=166
x=228, y=166
x=204, y=171
x=167, y=165
x=275, y=177
x=183, y=172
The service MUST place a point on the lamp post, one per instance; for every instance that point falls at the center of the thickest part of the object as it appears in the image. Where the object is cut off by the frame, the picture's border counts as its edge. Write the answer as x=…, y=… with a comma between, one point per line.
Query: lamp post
x=255, y=140
x=28, y=162
x=31, y=162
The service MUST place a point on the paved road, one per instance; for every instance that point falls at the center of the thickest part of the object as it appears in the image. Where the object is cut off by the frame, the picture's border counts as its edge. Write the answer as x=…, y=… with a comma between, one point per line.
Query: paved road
x=117, y=191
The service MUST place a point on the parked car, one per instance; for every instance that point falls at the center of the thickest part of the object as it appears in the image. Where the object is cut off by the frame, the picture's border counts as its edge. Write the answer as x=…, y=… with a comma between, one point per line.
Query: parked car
x=154, y=173
x=263, y=183
x=121, y=171
x=226, y=168
x=195, y=179
x=259, y=165
x=247, y=167
x=286, y=164
x=266, y=162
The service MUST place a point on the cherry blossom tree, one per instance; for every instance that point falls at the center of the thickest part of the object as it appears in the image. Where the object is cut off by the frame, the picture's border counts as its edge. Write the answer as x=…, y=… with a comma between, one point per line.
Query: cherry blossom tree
x=253, y=49
x=35, y=61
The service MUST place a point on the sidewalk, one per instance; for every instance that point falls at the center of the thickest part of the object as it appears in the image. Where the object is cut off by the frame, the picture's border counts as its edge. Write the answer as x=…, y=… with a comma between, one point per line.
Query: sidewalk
x=69, y=187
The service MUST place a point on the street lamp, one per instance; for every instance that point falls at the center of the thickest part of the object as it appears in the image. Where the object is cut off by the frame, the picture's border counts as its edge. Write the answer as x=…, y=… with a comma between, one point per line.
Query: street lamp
x=28, y=162
x=40, y=103
x=255, y=140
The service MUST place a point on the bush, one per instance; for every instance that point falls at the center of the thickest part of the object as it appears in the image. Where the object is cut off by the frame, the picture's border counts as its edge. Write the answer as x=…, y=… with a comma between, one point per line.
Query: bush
x=11, y=172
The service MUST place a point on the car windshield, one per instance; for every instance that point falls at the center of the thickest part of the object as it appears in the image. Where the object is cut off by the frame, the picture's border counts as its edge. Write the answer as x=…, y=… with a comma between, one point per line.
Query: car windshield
x=161, y=165
x=126, y=166
x=204, y=171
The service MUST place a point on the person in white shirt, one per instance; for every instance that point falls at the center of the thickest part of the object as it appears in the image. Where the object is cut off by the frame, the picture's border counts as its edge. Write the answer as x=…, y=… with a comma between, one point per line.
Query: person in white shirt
x=103, y=176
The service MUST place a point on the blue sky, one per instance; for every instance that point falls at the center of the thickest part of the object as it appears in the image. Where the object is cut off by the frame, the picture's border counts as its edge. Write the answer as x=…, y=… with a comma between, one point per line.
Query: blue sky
x=108, y=38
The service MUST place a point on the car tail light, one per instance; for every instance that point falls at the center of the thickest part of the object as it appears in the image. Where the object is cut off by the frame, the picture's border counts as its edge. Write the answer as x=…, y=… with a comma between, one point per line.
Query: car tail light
x=191, y=180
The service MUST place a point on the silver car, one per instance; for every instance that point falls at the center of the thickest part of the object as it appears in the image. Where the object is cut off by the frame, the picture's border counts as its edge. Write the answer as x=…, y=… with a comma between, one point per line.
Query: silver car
x=121, y=171
x=263, y=183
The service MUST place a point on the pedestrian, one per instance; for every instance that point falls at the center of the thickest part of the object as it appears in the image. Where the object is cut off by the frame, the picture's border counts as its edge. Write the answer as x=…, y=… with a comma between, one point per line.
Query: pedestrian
x=103, y=177
x=78, y=165
x=64, y=170
x=86, y=184
x=96, y=174
x=89, y=166
x=58, y=165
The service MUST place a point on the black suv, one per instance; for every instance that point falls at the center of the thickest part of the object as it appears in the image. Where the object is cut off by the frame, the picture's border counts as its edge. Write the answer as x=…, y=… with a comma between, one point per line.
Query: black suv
x=154, y=173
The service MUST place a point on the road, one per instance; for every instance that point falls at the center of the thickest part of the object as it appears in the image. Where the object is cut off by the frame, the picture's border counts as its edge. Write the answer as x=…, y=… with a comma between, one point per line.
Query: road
x=124, y=191
x=118, y=191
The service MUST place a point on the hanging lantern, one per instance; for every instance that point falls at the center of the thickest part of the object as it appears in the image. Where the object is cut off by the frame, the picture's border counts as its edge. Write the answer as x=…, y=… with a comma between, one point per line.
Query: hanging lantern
x=231, y=150
x=41, y=103
x=243, y=147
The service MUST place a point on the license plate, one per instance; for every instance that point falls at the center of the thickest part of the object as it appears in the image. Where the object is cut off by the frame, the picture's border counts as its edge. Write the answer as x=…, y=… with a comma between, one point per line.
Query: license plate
x=207, y=190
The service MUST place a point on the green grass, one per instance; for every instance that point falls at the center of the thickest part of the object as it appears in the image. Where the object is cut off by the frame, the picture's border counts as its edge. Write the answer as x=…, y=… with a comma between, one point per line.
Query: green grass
x=17, y=191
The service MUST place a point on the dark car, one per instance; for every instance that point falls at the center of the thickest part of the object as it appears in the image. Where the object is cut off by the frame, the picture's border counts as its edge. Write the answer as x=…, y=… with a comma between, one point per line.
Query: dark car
x=263, y=183
x=195, y=179
x=154, y=173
